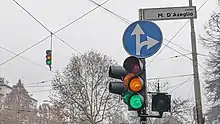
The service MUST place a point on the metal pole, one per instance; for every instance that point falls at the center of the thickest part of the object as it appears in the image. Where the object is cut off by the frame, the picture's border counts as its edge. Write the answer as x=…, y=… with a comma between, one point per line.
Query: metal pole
x=158, y=87
x=141, y=15
x=144, y=120
x=196, y=73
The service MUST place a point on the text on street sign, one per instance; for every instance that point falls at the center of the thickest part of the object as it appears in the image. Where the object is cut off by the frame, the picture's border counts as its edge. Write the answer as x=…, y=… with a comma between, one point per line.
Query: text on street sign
x=170, y=13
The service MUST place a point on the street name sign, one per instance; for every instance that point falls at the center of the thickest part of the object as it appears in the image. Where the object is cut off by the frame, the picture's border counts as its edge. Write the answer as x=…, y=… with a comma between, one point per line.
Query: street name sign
x=142, y=39
x=170, y=13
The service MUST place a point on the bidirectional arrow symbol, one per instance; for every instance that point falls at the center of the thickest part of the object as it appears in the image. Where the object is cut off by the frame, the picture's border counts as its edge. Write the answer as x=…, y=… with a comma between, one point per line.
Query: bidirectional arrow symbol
x=150, y=42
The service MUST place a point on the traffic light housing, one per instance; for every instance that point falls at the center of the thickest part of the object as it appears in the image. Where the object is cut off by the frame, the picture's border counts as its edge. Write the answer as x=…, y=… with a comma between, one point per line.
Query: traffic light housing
x=116, y=87
x=161, y=102
x=117, y=72
x=132, y=84
x=49, y=57
x=134, y=81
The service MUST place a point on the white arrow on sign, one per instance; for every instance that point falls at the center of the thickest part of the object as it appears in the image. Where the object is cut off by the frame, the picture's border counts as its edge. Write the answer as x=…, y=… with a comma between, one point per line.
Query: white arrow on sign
x=150, y=42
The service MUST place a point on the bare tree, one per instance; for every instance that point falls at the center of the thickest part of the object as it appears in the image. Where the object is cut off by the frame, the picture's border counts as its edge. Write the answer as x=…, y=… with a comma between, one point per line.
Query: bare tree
x=18, y=107
x=179, y=112
x=82, y=88
x=121, y=115
x=50, y=114
x=211, y=40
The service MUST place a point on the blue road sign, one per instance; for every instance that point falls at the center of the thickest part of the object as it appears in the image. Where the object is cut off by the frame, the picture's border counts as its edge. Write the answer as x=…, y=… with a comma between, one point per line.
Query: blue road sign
x=142, y=39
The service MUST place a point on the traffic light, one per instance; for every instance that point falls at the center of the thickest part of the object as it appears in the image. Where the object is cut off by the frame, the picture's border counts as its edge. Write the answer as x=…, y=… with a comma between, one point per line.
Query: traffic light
x=161, y=102
x=132, y=84
x=134, y=81
x=49, y=57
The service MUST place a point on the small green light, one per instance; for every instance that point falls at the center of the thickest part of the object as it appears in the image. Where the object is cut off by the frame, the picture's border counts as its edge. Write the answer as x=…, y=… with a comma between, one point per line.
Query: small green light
x=136, y=102
x=48, y=62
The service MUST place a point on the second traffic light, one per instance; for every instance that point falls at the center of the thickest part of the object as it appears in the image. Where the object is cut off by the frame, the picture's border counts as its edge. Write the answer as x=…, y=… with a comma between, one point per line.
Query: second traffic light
x=49, y=57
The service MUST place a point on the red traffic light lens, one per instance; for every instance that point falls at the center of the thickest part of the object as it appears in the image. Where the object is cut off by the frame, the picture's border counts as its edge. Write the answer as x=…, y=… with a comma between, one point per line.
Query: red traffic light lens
x=133, y=65
x=135, y=69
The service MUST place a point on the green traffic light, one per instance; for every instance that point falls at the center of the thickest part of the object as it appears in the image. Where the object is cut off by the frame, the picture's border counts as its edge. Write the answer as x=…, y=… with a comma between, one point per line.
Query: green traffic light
x=48, y=62
x=127, y=97
x=136, y=102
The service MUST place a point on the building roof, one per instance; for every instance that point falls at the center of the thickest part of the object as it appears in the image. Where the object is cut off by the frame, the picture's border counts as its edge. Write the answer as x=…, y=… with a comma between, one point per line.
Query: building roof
x=2, y=83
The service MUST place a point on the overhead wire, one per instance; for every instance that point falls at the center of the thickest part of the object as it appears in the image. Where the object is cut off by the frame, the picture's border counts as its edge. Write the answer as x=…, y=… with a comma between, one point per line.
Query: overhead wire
x=177, y=45
x=24, y=51
x=68, y=44
x=169, y=41
x=128, y=22
x=166, y=45
x=187, y=80
x=32, y=16
x=184, y=25
x=174, y=76
x=50, y=32
x=176, y=56
x=59, y=29
x=65, y=25
x=177, y=52
x=190, y=91
x=80, y=17
x=125, y=20
x=203, y=85
x=40, y=86
x=168, y=77
x=114, y=14
x=41, y=82
x=35, y=91
x=120, y=17
x=185, y=55
x=86, y=14
x=179, y=85
x=25, y=59
x=59, y=39
x=202, y=54
x=186, y=49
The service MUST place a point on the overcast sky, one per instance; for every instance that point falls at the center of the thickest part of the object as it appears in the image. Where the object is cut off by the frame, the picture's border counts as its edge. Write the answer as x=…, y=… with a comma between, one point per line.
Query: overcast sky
x=99, y=31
